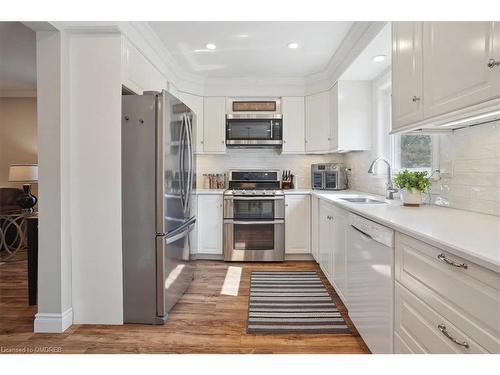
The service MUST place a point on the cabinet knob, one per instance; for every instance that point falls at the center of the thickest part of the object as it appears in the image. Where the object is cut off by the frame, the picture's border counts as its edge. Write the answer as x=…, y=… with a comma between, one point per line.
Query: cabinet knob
x=415, y=99
x=222, y=142
x=329, y=138
x=492, y=63
x=201, y=142
x=284, y=141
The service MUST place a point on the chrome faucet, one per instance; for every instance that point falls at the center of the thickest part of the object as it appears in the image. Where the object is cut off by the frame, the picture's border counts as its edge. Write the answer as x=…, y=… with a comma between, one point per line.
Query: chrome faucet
x=389, y=187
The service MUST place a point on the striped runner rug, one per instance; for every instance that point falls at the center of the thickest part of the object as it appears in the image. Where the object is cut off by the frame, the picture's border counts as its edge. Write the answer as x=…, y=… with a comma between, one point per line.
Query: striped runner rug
x=292, y=302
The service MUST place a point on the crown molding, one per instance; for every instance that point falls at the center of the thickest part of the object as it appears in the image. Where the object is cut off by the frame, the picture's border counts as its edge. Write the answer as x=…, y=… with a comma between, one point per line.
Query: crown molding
x=358, y=37
x=142, y=36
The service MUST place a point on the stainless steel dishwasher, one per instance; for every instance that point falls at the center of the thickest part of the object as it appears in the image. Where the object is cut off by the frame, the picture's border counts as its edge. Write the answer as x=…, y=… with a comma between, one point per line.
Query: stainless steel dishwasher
x=370, y=282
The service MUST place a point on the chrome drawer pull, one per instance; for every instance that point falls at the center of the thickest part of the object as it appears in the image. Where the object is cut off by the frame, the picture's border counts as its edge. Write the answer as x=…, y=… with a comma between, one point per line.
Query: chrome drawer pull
x=443, y=330
x=450, y=262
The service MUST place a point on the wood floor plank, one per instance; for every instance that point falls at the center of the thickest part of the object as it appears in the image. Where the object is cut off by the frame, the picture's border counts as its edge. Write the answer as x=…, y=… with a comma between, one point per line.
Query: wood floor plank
x=204, y=320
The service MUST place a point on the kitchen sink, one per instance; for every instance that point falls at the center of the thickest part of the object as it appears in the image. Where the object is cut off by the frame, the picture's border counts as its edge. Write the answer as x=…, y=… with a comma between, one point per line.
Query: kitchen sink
x=363, y=200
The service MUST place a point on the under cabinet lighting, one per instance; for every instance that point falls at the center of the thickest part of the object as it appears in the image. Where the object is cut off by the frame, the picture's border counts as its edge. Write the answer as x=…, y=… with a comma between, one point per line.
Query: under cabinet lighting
x=293, y=45
x=211, y=46
x=473, y=118
x=379, y=58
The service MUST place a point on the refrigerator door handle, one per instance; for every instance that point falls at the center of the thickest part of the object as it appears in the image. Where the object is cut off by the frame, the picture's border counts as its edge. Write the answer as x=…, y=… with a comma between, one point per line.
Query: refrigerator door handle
x=181, y=162
x=190, y=165
x=180, y=232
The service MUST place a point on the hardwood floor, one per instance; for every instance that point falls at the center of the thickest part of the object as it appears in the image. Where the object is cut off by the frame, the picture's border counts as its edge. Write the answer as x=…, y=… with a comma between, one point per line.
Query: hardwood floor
x=204, y=321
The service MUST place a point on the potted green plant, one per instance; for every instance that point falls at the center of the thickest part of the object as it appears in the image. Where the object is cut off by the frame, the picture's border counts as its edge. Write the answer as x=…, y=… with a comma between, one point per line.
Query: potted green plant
x=412, y=185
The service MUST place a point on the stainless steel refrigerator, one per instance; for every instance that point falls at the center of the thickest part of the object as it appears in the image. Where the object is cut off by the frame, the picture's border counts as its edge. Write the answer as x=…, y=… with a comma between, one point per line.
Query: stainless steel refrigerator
x=158, y=179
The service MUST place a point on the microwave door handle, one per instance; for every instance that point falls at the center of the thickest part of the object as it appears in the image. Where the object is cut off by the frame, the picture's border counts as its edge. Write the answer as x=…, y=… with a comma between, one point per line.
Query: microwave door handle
x=272, y=129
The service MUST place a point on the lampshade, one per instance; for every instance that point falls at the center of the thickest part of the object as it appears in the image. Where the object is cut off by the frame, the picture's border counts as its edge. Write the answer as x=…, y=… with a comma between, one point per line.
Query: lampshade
x=23, y=173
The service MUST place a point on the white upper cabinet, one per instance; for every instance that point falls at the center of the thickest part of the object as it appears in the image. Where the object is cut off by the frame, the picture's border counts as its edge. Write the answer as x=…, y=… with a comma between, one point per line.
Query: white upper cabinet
x=196, y=103
x=297, y=224
x=442, y=70
x=293, y=109
x=456, y=72
x=214, y=134
x=339, y=120
x=350, y=114
x=407, y=91
x=318, y=123
x=138, y=74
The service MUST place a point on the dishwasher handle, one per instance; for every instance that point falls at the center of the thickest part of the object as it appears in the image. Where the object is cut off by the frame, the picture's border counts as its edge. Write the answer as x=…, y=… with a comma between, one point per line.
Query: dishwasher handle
x=360, y=231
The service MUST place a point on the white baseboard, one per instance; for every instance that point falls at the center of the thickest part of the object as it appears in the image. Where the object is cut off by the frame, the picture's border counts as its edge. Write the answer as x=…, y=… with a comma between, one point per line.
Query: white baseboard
x=53, y=323
x=298, y=257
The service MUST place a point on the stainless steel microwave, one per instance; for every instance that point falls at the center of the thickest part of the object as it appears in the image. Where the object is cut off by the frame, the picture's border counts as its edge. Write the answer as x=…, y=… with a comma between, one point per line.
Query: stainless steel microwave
x=254, y=123
x=328, y=176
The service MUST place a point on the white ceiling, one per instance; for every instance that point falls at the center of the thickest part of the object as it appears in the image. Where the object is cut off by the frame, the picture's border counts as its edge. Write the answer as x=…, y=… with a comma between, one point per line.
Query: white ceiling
x=17, y=57
x=364, y=68
x=251, y=49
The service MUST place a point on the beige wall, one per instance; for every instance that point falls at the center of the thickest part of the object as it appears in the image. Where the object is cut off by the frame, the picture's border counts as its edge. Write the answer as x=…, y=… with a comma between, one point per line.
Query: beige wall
x=18, y=136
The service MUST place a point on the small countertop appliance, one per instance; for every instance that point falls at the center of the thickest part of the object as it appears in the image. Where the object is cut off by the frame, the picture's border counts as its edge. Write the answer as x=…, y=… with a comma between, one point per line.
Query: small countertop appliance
x=328, y=176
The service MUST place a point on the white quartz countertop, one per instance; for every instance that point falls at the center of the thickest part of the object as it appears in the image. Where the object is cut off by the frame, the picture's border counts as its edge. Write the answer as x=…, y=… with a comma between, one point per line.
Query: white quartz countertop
x=297, y=191
x=209, y=191
x=472, y=236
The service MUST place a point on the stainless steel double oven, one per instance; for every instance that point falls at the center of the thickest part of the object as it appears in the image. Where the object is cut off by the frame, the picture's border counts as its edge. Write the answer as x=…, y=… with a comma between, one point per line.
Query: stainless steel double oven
x=254, y=217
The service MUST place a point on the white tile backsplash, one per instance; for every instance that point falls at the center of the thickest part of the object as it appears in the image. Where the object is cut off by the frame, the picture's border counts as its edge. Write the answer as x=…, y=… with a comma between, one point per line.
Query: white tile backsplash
x=471, y=159
x=472, y=155
x=300, y=165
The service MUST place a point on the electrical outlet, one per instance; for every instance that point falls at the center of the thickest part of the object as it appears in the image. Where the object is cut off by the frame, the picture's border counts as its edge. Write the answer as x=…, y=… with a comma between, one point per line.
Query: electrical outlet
x=446, y=169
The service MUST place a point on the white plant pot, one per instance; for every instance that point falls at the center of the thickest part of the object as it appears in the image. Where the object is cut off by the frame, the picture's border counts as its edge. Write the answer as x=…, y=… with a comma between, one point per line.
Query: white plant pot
x=411, y=198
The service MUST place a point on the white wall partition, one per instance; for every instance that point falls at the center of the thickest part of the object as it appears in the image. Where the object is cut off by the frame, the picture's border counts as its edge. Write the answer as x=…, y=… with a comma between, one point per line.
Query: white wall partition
x=54, y=238
x=95, y=61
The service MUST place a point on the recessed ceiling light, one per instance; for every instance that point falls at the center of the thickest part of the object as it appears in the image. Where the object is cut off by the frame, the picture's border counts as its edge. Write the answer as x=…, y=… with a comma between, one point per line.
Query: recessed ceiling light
x=211, y=46
x=293, y=45
x=379, y=58
x=243, y=35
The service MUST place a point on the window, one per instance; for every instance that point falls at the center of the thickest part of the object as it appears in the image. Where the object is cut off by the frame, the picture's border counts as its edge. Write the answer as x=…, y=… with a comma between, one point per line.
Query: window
x=415, y=152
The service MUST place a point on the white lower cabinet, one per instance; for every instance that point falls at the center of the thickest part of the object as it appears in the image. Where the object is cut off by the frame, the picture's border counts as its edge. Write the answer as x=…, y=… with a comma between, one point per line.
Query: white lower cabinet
x=209, y=224
x=443, y=303
x=332, y=244
x=315, y=228
x=326, y=238
x=297, y=224
x=339, y=245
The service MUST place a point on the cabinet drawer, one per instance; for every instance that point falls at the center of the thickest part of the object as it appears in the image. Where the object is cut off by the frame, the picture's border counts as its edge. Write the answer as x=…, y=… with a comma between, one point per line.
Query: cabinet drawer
x=467, y=297
x=418, y=328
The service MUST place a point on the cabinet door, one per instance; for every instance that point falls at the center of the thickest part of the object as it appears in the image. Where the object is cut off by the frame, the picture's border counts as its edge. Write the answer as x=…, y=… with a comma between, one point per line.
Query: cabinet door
x=333, y=137
x=325, y=237
x=138, y=74
x=456, y=72
x=318, y=122
x=407, y=92
x=293, y=125
x=196, y=103
x=297, y=224
x=214, y=134
x=339, y=243
x=315, y=228
x=210, y=224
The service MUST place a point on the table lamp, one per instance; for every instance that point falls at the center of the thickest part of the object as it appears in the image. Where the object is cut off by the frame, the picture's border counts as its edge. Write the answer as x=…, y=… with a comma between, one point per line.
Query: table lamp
x=27, y=174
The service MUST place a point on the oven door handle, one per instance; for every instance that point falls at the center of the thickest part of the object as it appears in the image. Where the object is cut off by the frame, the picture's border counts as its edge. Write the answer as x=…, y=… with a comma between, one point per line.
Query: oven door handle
x=273, y=198
x=238, y=222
